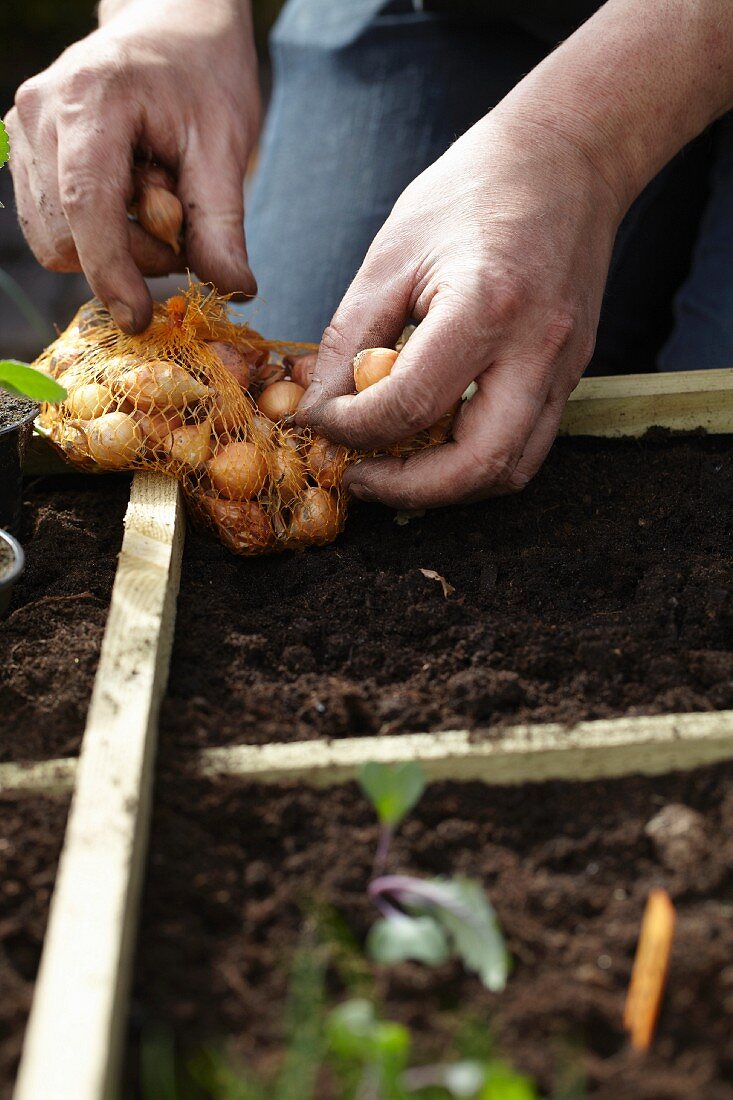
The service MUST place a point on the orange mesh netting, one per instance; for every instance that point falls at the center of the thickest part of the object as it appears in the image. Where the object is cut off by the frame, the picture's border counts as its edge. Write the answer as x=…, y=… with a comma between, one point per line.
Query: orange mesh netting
x=209, y=402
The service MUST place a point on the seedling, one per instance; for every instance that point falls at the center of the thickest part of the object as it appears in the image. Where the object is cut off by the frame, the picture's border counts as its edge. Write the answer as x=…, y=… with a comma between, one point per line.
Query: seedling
x=426, y=920
x=19, y=378
x=379, y=1050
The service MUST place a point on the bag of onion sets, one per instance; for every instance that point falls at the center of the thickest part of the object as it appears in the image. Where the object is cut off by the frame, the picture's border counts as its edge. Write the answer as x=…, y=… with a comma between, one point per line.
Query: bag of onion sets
x=209, y=402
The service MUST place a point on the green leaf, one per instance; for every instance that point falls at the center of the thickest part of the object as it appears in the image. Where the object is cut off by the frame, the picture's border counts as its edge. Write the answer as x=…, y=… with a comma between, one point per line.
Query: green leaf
x=502, y=1083
x=464, y=911
x=394, y=939
x=393, y=789
x=354, y=1031
x=4, y=144
x=25, y=381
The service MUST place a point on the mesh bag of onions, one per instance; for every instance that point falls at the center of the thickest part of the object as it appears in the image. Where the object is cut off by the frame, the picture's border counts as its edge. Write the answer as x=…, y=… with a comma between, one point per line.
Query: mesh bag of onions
x=209, y=402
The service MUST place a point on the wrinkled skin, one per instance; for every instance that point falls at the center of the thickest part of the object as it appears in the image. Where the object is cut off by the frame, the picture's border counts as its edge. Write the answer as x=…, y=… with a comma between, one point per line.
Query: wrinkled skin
x=501, y=249
x=174, y=80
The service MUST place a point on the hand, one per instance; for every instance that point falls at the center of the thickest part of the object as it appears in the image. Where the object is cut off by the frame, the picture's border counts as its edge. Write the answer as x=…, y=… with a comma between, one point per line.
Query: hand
x=501, y=250
x=175, y=80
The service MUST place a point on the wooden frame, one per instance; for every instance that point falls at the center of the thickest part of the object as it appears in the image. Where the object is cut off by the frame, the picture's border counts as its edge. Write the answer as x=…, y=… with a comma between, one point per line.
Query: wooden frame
x=74, y=1032
x=78, y=1015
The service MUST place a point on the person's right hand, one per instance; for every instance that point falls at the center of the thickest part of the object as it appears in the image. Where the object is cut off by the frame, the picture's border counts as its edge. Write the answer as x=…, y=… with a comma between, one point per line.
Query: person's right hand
x=173, y=80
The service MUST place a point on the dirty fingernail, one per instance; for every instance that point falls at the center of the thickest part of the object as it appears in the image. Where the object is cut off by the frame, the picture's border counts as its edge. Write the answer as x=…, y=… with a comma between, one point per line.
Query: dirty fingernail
x=123, y=316
x=363, y=492
x=311, y=398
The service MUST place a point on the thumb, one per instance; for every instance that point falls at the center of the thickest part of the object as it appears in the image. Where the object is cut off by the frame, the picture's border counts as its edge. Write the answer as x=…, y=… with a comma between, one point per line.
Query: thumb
x=370, y=315
x=211, y=188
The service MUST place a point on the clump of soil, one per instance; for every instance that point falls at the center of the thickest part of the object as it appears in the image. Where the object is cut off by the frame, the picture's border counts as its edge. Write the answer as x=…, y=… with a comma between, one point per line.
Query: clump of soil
x=234, y=869
x=51, y=636
x=603, y=589
x=31, y=832
x=14, y=409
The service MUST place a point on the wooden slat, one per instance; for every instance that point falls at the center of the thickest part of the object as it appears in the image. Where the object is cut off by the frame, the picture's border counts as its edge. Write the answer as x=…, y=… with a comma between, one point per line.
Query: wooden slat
x=77, y=1019
x=48, y=777
x=649, y=745
x=628, y=405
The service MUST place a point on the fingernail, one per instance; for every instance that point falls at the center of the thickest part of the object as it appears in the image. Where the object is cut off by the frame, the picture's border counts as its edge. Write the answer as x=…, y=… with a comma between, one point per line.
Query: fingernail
x=312, y=396
x=123, y=316
x=363, y=492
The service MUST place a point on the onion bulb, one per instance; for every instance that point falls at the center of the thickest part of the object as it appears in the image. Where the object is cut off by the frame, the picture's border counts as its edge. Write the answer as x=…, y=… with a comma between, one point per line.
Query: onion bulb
x=269, y=373
x=287, y=473
x=280, y=400
x=114, y=440
x=372, y=365
x=242, y=525
x=156, y=426
x=160, y=213
x=440, y=431
x=90, y=400
x=238, y=471
x=327, y=462
x=73, y=377
x=233, y=361
x=64, y=357
x=161, y=384
x=227, y=414
x=303, y=368
x=315, y=518
x=189, y=445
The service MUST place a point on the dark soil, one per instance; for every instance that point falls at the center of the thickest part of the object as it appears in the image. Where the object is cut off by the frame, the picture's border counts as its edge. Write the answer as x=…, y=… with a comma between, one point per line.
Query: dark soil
x=13, y=409
x=50, y=637
x=604, y=589
x=31, y=831
x=233, y=870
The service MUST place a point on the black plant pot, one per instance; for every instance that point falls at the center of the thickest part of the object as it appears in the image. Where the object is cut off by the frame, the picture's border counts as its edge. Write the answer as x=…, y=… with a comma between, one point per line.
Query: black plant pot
x=14, y=439
x=12, y=560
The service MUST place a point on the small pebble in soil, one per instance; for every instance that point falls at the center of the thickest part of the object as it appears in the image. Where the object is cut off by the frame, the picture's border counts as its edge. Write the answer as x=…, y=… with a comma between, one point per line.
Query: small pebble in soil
x=7, y=559
x=678, y=835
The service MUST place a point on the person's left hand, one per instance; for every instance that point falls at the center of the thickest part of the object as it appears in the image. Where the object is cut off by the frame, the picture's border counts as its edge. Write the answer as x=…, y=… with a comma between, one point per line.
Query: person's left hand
x=501, y=250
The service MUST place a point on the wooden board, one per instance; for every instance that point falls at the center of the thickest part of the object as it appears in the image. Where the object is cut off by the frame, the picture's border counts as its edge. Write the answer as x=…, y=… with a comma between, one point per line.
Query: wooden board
x=630, y=404
x=78, y=1015
x=649, y=745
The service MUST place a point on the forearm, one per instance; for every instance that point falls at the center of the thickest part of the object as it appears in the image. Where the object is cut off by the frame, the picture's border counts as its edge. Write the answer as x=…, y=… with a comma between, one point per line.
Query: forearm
x=633, y=85
x=109, y=9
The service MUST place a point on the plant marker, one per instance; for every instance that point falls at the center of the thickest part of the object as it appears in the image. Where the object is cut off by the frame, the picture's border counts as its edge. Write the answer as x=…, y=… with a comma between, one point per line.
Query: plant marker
x=649, y=973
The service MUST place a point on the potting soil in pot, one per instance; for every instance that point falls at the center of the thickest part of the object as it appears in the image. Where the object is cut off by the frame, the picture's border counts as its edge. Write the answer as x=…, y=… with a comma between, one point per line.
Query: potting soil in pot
x=13, y=409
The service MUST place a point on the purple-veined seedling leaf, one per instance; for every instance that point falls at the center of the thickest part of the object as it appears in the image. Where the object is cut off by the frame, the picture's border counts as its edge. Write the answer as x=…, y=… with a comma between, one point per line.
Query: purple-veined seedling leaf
x=399, y=937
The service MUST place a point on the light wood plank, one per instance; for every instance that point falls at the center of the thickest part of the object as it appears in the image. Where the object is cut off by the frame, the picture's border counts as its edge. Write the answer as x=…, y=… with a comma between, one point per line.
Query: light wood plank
x=49, y=777
x=649, y=745
x=628, y=405
x=73, y=1039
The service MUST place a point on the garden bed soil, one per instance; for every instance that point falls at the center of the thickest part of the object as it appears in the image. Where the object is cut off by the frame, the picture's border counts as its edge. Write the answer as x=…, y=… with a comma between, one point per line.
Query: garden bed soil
x=234, y=871
x=604, y=589
x=51, y=636
x=31, y=832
